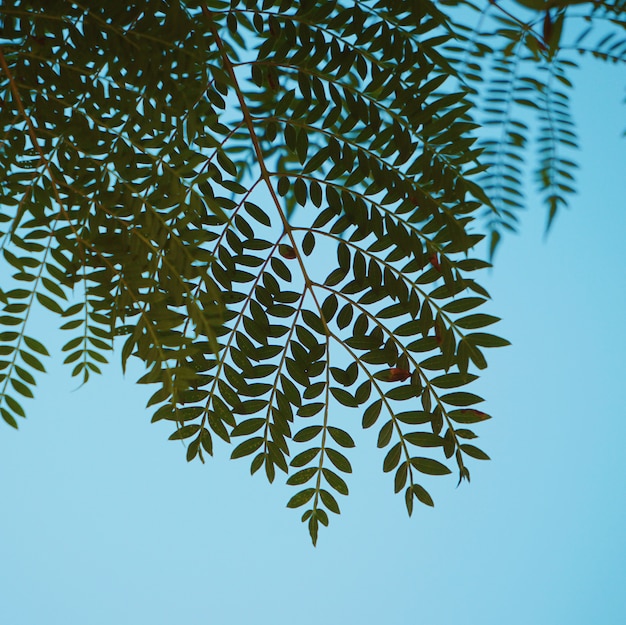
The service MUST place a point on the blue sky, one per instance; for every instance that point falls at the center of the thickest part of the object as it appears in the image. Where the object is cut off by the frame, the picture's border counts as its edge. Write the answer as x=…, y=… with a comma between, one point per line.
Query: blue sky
x=104, y=521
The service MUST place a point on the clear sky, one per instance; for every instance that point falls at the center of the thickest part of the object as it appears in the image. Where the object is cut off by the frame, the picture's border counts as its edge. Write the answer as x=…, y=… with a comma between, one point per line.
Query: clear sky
x=104, y=522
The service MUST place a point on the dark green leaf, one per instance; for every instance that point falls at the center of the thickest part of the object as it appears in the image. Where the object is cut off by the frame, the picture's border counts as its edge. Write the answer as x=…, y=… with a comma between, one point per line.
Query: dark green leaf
x=339, y=460
x=392, y=458
x=21, y=388
x=474, y=452
x=486, y=340
x=453, y=380
x=345, y=316
x=384, y=436
x=329, y=501
x=468, y=416
x=308, y=243
x=430, y=466
x=335, y=481
x=471, y=322
x=414, y=417
x=303, y=476
x=35, y=345
x=371, y=414
x=308, y=433
x=305, y=457
x=310, y=410
x=464, y=304
x=340, y=437
x=461, y=399
x=401, y=477
x=49, y=303
x=422, y=494
x=185, y=432
x=343, y=397
x=248, y=427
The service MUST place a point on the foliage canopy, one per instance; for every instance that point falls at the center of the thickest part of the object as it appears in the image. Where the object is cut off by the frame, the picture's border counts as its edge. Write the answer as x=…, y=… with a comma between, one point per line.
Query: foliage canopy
x=275, y=205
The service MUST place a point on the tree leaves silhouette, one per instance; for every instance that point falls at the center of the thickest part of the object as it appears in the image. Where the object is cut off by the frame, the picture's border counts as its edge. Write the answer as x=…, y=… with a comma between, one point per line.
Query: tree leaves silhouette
x=275, y=207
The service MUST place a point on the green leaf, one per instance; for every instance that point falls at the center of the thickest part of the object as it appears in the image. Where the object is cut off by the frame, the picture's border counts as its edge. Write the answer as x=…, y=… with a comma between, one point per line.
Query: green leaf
x=193, y=449
x=414, y=417
x=21, y=388
x=461, y=399
x=222, y=412
x=14, y=406
x=313, y=321
x=343, y=397
x=305, y=457
x=384, y=436
x=392, y=458
x=335, y=481
x=206, y=441
x=185, y=432
x=423, y=439
x=474, y=452
x=49, y=303
x=401, y=477
x=453, y=380
x=329, y=307
x=32, y=361
x=217, y=425
x=340, y=437
x=308, y=243
x=430, y=466
x=410, y=328
x=403, y=392
x=308, y=433
x=248, y=427
x=345, y=316
x=486, y=340
x=422, y=494
x=299, y=499
x=339, y=460
x=464, y=304
x=310, y=410
x=251, y=406
x=303, y=476
x=257, y=214
x=35, y=345
x=471, y=322
x=468, y=416
x=371, y=414
x=8, y=418
x=281, y=269
x=329, y=501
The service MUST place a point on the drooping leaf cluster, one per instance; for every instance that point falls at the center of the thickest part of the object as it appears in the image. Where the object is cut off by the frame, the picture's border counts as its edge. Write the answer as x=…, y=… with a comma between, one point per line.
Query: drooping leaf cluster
x=517, y=60
x=273, y=205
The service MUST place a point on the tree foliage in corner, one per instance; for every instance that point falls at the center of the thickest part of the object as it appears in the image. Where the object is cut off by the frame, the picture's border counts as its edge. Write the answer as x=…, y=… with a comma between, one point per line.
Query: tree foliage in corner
x=274, y=205
x=517, y=60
